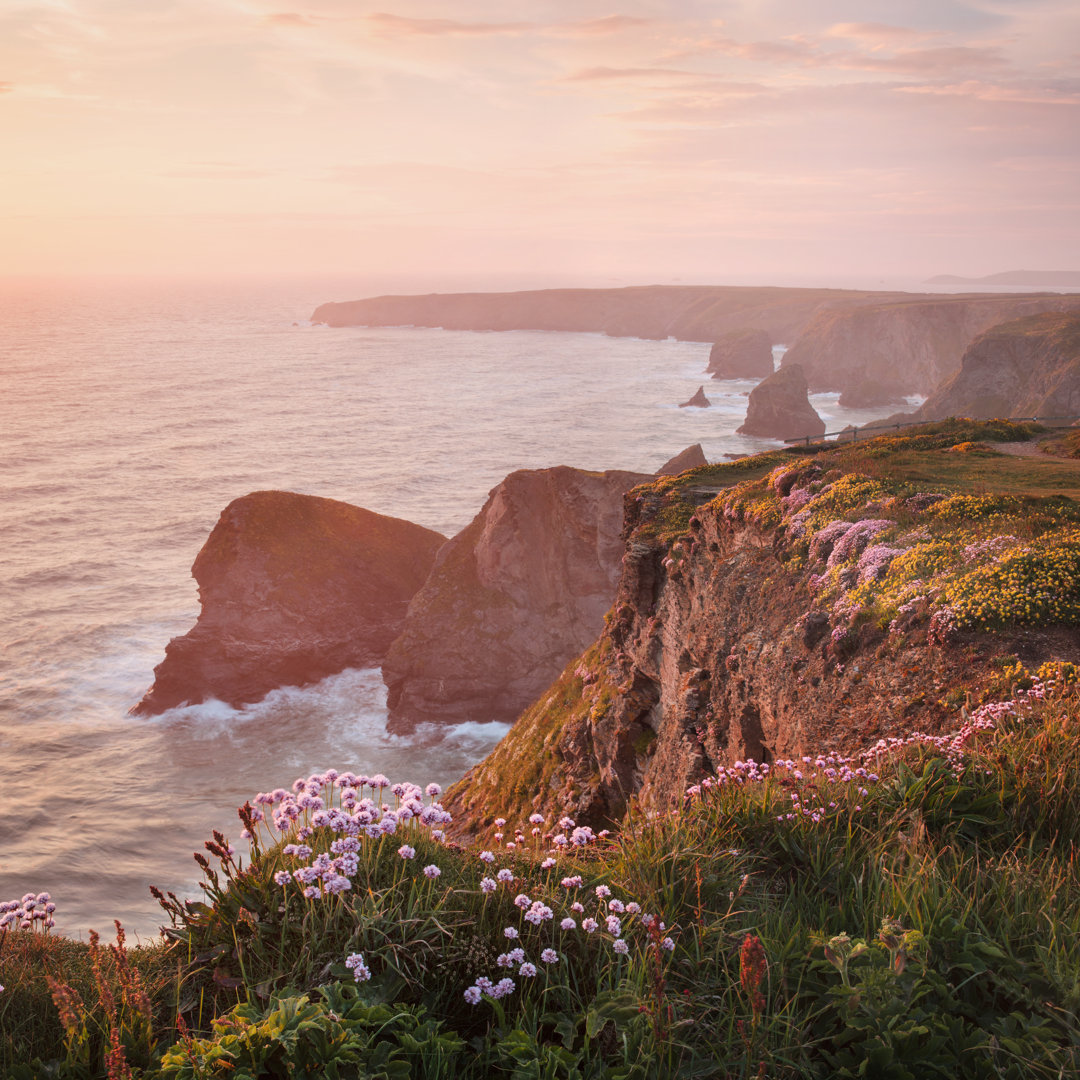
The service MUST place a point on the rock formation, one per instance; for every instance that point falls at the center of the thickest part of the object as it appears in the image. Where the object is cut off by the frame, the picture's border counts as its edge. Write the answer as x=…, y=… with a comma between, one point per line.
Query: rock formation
x=698, y=401
x=780, y=409
x=512, y=597
x=692, y=457
x=877, y=354
x=1026, y=367
x=742, y=354
x=293, y=588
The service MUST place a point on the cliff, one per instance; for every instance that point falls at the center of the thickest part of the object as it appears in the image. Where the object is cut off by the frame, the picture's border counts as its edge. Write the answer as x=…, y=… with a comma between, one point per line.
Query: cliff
x=787, y=604
x=687, y=313
x=517, y=593
x=690, y=458
x=1026, y=367
x=293, y=588
x=877, y=354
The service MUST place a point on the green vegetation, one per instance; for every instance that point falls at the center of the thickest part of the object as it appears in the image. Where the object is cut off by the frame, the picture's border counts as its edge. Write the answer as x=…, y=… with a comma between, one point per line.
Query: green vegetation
x=907, y=913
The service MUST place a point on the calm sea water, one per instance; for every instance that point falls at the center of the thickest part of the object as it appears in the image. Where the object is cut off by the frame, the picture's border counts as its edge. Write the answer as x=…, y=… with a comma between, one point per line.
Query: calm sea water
x=130, y=416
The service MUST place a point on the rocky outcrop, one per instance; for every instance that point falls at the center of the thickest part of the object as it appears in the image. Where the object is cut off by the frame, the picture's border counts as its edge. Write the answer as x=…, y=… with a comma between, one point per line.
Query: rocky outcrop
x=293, y=588
x=877, y=354
x=685, y=312
x=698, y=401
x=742, y=354
x=779, y=407
x=693, y=457
x=512, y=597
x=1026, y=367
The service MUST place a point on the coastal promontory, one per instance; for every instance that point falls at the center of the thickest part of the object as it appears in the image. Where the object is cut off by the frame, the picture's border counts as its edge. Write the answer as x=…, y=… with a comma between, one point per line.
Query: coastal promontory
x=293, y=588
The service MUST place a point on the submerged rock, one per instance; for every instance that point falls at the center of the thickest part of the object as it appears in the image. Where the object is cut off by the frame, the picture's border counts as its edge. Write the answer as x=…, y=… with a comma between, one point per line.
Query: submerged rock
x=698, y=401
x=780, y=408
x=517, y=593
x=293, y=588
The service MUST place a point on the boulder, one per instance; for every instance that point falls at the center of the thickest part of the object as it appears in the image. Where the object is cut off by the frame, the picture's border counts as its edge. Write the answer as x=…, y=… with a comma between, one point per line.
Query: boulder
x=780, y=408
x=293, y=588
x=742, y=354
x=698, y=401
x=693, y=457
x=517, y=593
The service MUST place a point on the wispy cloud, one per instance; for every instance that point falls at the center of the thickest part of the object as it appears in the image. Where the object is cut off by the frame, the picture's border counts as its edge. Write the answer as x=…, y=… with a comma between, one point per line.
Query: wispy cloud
x=1021, y=92
x=289, y=19
x=404, y=26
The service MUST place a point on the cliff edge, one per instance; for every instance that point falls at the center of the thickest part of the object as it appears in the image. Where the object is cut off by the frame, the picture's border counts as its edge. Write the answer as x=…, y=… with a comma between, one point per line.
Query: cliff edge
x=788, y=604
x=293, y=588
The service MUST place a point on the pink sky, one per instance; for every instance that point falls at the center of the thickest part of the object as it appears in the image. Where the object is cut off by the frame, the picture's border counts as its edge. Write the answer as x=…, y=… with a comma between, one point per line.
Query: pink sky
x=645, y=139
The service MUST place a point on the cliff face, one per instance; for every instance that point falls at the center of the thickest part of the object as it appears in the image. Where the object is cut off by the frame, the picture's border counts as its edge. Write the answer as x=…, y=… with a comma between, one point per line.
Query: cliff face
x=688, y=313
x=801, y=606
x=879, y=353
x=293, y=588
x=511, y=598
x=1027, y=367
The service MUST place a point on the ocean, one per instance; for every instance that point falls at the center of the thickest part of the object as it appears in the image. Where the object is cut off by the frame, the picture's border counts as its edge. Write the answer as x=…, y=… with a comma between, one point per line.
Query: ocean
x=131, y=415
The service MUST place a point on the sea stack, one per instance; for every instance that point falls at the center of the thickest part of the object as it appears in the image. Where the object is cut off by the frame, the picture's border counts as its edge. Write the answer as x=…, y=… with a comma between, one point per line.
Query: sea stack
x=293, y=588
x=698, y=401
x=779, y=407
x=742, y=354
x=513, y=597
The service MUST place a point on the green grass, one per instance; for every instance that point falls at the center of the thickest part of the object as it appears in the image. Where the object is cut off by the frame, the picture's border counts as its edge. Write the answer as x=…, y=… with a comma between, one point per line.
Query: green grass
x=935, y=930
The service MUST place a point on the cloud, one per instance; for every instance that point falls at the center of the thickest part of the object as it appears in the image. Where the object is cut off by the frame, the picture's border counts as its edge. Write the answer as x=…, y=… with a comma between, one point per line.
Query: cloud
x=402, y=26
x=215, y=170
x=289, y=19
x=872, y=33
x=6, y=87
x=1017, y=92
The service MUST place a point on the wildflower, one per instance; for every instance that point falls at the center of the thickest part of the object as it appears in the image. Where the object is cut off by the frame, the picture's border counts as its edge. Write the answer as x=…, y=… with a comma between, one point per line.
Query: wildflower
x=576, y=906
x=617, y=906
x=547, y=864
x=536, y=819
x=568, y=924
x=355, y=963
x=487, y=885
x=438, y=835
x=614, y=926
x=505, y=876
x=571, y=882
x=282, y=877
x=633, y=908
x=668, y=944
x=521, y=901
x=484, y=984
x=502, y=988
x=510, y=932
x=503, y=960
x=500, y=822
x=407, y=852
x=433, y=790
x=589, y=925
x=527, y=970
x=549, y=956
x=472, y=995
x=621, y=947
x=432, y=871
x=486, y=856
x=602, y=891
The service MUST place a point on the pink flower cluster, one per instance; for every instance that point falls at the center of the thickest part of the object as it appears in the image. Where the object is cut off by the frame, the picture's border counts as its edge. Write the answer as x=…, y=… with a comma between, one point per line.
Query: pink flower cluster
x=33, y=911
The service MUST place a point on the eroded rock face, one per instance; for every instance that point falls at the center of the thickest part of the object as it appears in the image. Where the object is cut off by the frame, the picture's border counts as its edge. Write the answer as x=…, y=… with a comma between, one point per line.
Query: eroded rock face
x=742, y=354
x=780, y=408
x=1025, y=367
x=698, y=401
x=512, y=597
x=878, y=353
x=293, y=588
x=693, y=457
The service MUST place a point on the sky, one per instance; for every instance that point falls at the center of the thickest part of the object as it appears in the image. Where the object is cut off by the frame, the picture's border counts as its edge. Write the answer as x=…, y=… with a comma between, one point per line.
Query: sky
x=622, y=140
